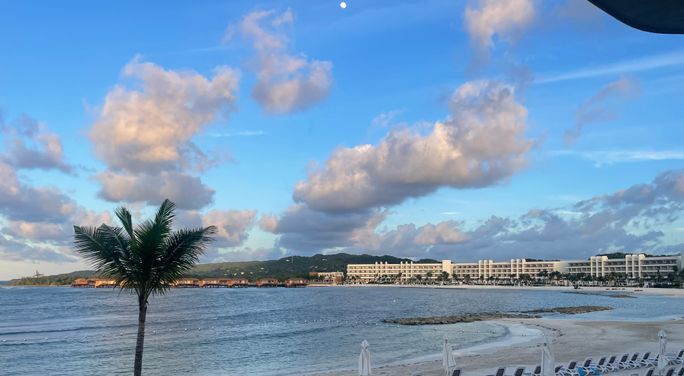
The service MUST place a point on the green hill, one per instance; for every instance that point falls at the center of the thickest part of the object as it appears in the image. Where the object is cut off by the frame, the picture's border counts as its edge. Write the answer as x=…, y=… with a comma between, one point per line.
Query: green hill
x=287, y=267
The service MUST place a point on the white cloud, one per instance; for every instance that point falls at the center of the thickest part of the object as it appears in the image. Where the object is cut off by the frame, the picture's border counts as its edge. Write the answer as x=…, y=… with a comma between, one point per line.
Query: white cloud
x=151, y=129
x=145, y=134
x=596, y=108
x=631, y=219
x=609, y=157
x=285, y=82
x=29, y=144
x=640, y=64
x=233, y=225
x=459, y=152
x=188, y=192
x=504, y=19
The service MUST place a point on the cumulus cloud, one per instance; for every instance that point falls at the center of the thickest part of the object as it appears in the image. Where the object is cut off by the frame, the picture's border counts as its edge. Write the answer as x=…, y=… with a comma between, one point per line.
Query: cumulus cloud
x=144, y=134
x=37, y=220
x=242, y=254
x=597, y=108
x=629, y=220
x=187, y=191
x=285, y=82
x=19, y=201
x=150, y=129
x=29, y=144
x=12, y=250
x=308, y=231
x=233, y=226
x=503, y=19
x=459, y=152
x=633, y=219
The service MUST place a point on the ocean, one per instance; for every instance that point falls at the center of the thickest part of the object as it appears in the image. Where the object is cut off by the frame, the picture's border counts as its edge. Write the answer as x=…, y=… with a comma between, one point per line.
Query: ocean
x=66, y=331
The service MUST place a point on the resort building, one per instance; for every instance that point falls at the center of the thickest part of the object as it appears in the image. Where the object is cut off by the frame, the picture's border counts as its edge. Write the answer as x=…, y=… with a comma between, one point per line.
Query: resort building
x=632, y=266
x=402, y=272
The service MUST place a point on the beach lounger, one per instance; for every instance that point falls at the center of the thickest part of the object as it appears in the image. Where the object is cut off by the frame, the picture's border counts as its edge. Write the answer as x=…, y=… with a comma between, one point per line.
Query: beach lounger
x=598, y=368
x=457, y=372
x=585, y=368
x=681, y=371
x=670, y=372
x=622, y=363
x=650, y=372
x=679, y=359
x=557, y=370
x=647, y=361
x=519, y=371
x=570, y=370
x=652, y=361
x=537, y=371
x=640, y=362
x=601, y=363
x=610, y=365
x=630, y=363
x=499, y=372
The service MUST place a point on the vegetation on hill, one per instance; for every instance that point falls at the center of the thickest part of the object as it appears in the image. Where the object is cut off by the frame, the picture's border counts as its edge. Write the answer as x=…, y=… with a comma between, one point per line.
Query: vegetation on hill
x=53, y=280
x=287, y=267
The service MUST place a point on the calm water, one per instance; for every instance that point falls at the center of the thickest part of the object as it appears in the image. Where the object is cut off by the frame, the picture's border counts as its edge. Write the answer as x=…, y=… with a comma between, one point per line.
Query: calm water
x=64, y=331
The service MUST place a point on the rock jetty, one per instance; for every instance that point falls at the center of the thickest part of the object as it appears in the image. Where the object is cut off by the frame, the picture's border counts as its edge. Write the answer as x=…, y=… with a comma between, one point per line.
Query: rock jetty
x=474, y=317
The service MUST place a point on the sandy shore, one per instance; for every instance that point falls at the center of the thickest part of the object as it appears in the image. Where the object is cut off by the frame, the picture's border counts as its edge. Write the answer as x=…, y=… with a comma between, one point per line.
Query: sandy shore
x=571, y=340
x=628, y=290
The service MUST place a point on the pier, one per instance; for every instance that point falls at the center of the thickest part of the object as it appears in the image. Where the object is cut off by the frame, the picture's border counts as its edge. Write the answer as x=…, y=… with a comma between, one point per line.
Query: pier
x=201, y=283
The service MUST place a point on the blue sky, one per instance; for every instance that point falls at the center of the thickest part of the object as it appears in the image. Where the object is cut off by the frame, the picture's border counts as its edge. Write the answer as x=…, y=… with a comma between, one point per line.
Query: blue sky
x=236, y=107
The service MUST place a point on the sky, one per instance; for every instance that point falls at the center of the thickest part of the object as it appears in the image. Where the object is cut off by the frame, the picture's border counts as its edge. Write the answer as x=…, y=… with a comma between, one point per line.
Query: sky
x=458, y=130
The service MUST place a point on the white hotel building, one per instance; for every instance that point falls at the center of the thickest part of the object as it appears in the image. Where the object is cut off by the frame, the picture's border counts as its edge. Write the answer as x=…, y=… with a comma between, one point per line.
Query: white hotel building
x=633, y=266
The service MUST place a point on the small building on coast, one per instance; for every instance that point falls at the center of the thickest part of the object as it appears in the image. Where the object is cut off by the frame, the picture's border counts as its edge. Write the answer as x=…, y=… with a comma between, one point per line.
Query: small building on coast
x=296, y=282
x=267, y=282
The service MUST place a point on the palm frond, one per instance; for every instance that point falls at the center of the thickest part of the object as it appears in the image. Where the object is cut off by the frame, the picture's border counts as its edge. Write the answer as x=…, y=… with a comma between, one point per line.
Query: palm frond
x=165, y=215
x=126, y=220
x=101, y=248
x=147, y=258
x=181, y=250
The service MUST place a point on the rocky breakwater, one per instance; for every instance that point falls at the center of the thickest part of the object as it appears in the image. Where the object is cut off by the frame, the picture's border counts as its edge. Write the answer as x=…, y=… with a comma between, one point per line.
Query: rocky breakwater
x=487, y=316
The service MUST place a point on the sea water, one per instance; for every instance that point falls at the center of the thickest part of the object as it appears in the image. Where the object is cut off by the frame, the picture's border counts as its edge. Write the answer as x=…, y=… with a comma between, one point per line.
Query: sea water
x=67, y=331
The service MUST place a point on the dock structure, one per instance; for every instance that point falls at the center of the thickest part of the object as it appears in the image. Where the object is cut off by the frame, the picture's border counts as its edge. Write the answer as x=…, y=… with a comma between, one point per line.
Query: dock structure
x=200, y=283
x=267, y=282
x=296, y=282
x=95, y=283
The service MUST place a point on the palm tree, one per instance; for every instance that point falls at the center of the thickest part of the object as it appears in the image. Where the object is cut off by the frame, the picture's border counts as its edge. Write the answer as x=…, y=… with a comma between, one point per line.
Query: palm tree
x=146, y=259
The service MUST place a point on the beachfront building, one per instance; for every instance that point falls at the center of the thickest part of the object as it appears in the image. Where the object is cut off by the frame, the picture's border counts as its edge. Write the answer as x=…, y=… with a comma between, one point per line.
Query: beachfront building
x=632, y=266
x=515, y=268
x=327, y=277
x=402, y=272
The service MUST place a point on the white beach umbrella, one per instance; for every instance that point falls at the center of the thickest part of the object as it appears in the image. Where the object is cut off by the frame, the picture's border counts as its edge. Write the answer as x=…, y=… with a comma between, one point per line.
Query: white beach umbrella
x=662, y=358
x=448, y=358
x=548, y=363
x=364, y=360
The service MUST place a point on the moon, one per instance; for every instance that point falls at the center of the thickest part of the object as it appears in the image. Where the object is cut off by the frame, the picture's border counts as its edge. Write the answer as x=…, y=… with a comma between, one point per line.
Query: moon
x=343, y=5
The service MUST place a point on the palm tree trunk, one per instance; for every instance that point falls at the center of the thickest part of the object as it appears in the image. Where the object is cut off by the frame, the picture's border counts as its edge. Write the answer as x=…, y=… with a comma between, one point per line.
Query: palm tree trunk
x=142, y=312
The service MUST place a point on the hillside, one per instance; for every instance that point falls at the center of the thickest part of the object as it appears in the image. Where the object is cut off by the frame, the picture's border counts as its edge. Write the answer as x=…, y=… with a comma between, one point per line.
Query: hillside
x=295, y=266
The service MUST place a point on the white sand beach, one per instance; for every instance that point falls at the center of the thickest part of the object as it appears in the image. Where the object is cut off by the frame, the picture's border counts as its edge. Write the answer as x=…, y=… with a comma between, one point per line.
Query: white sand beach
x=572, y=340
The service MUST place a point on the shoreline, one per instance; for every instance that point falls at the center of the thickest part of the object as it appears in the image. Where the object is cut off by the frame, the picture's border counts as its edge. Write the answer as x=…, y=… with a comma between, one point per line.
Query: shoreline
x=672, y=292
x=636, y=291
x=570, y=340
